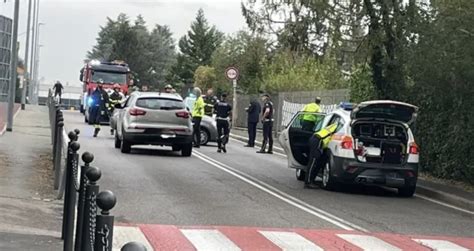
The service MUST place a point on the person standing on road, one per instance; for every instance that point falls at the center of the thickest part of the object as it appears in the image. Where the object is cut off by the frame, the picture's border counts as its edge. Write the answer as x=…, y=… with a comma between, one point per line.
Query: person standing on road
x=267, y=120
x=58, y=90
x=223, y=113
x=198, y=112
x=318, y=144
x=309, y=118
x=210, y=100
x=252, y=120
x=100, y=102
x=115, y=98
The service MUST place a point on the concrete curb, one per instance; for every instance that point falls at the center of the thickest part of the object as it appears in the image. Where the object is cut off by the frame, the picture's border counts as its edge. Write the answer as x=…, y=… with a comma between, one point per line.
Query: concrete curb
x=257, y=143
x=447, y=198
x=425, y=191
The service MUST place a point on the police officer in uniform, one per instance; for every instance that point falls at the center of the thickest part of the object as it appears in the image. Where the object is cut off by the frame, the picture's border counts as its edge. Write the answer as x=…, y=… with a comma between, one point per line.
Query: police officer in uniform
x=267, y=120
x=100, y=102
x=223, y=113
x=210, y=100
x=309, y=120
x=318, y=144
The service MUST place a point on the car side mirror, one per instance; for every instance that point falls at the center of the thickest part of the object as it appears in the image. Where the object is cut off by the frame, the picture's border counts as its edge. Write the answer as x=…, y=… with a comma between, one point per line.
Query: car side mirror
x=118, y=106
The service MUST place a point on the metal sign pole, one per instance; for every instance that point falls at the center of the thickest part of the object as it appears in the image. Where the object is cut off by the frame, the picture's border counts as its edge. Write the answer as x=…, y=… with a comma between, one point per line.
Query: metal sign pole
x=27, y=57
x=234, y=101
x=13, y=66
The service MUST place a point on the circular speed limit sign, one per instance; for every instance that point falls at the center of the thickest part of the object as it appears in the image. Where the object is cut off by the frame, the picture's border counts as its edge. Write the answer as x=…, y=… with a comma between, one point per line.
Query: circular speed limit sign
x=232, y=73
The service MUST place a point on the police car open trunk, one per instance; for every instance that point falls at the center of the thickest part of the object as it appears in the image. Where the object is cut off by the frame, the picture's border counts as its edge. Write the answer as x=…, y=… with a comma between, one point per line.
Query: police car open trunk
x=380, y=131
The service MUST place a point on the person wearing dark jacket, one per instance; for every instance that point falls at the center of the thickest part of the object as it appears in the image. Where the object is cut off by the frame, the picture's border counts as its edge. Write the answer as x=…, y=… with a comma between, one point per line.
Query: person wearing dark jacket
x=252, y=120
x=99, y=107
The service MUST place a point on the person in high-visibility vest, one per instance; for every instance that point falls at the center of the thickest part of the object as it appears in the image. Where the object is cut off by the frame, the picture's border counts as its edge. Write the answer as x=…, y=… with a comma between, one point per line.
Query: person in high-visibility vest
x=318, y=143
x=198, y=113
x=309, y=119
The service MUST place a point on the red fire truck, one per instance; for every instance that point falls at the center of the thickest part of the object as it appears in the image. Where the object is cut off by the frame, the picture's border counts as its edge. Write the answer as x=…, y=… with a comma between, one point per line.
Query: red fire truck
x=109, y=73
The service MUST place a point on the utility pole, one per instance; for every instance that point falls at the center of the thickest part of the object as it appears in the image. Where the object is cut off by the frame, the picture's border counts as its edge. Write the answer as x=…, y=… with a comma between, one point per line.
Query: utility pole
x=13, y=66
x=36, y=69
x=33, y=50
x=27, y=44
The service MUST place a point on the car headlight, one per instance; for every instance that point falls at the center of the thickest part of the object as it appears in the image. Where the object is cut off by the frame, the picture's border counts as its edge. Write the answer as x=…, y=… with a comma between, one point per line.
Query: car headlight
x=90, y=101
x=214, y=123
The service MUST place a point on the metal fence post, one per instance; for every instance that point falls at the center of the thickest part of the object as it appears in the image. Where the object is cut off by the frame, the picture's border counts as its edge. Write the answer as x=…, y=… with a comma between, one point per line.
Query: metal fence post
x=104, y=230
x=71, y=180
x=59, y=118
x=87, y=158
x=90, y=209
x=57, y=154
x=67, y=170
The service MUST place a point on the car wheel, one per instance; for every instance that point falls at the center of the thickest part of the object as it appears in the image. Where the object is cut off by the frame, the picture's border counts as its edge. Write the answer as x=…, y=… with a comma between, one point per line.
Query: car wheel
x=300, y=174
x=187, y=150
x=125, y=147
x=176, y=148
x=205, y=135
x=86, y=120
x=328, y=182
x=81, y=109
x=407, y=191
x=118, y=143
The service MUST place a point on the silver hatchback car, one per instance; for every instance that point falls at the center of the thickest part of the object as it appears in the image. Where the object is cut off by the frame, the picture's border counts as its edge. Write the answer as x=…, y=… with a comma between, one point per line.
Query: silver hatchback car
x=152, y=118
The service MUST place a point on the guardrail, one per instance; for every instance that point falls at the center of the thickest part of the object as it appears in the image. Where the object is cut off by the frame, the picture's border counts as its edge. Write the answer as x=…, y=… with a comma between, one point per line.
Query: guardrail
x=93, y=225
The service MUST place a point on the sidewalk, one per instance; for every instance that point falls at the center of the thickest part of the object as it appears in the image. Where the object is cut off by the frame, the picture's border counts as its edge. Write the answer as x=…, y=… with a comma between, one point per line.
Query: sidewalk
x=30, y=218
x=431, y=189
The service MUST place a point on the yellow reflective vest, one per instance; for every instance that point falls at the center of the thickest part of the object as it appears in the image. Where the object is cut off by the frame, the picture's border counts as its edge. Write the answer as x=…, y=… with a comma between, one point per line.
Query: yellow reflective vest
x=198, y=109
x=313, y=108
x=325, y=134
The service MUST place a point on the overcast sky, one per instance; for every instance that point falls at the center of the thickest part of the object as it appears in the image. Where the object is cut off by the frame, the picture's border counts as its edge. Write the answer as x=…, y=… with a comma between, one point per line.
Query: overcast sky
x=71, y=26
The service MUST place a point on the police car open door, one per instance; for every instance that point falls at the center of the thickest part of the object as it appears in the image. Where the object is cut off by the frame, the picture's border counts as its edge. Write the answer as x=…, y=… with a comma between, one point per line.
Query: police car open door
x=295, y=137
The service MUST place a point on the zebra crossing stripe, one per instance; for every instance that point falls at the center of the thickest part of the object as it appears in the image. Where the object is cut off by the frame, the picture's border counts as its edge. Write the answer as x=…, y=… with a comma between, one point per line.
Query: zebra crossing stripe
x=440, y=245
x=205, y=239
x=289, y=241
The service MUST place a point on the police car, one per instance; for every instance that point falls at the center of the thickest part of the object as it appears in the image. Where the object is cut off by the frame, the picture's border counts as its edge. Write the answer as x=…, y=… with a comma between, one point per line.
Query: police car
x=373, y=145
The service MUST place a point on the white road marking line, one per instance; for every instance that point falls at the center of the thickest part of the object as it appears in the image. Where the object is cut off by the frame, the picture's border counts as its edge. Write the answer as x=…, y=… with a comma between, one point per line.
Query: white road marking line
x=205, y=240
x=124, y=235
x=444, y=204
x=368, y=242
x=440, y=245
x=289, y=241
x=324, y=215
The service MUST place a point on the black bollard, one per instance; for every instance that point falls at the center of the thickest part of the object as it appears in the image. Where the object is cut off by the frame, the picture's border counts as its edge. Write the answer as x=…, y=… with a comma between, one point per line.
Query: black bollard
x=90, y=209
x=104, y=230
x=71, y=136
x=57, y=156
x=77, y=132
x=87, y=158
x=133, y=246
x=72, y=194
x=57, y=132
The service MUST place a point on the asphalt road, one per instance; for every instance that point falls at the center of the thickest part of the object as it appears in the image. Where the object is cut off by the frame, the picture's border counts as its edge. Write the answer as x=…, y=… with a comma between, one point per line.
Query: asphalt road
x=241, y=188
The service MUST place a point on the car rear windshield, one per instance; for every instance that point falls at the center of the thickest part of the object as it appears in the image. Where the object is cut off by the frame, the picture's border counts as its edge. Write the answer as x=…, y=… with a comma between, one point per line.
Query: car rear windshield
x=384, y=111
x=160, y=104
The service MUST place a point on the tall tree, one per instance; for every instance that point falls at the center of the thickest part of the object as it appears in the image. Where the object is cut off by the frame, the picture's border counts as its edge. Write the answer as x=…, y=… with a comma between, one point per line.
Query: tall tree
x=247, y=52
x=196, y=47
x=149, y=55
x=163, y=55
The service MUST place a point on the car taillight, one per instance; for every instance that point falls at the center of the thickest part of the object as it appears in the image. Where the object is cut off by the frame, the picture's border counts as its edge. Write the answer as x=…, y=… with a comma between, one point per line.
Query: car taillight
x=182, y=114
x=346, y=142
x=414, y=148
x=137, y=112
